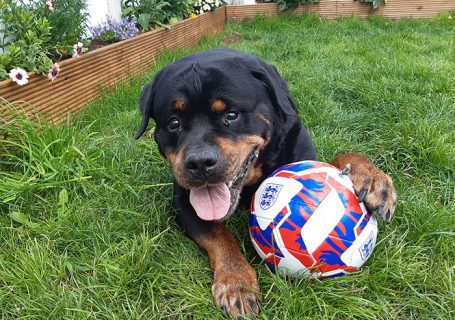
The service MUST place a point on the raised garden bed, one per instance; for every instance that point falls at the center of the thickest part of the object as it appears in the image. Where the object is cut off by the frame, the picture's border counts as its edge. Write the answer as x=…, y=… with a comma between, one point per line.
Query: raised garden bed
x=333, y=9
x=82, y=79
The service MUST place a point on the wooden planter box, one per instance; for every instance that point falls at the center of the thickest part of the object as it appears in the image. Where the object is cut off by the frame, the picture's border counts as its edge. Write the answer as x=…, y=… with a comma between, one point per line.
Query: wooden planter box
x=82, y=79
x=332, y=9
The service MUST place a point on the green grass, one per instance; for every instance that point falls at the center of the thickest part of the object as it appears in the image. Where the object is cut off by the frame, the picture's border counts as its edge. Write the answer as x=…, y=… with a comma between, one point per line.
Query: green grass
x=86, y=227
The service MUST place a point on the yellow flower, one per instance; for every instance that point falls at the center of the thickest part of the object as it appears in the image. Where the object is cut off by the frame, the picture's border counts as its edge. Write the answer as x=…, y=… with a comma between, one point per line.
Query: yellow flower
x=193, y=15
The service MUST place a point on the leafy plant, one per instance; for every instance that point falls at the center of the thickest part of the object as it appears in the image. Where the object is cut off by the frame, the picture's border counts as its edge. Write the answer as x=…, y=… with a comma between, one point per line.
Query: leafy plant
x=68, y=18
x=181, y=9
x=38, y=32
x=147, y=13
x=150, y=14
x=28, y=34
x=5, y=60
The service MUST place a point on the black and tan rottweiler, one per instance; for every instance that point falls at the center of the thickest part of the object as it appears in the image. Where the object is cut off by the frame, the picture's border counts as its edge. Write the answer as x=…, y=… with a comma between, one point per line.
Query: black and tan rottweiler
x=224, y=121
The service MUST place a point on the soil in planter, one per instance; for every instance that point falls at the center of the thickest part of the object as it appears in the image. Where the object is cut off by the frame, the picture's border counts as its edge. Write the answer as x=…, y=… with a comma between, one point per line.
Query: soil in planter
x=96, y=44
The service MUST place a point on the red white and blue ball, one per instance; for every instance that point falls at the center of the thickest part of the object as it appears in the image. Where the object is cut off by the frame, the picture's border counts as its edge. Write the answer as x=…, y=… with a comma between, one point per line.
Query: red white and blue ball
x=306, y=220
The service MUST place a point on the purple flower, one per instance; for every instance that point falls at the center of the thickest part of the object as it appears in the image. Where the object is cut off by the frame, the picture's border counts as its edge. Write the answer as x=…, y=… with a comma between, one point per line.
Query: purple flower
x=112, y=30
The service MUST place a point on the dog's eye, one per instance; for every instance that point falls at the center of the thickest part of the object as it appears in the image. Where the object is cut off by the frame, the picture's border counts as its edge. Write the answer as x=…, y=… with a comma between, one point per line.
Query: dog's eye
x=231, y=115
x=173, y=124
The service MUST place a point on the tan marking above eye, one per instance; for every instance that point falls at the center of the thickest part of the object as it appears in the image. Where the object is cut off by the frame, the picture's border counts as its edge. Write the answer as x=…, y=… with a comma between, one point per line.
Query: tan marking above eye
x=218, y=105
x=179, y=104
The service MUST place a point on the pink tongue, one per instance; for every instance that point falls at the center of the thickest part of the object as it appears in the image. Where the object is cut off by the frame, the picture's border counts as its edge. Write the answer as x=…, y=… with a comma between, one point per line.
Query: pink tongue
x=211, y=203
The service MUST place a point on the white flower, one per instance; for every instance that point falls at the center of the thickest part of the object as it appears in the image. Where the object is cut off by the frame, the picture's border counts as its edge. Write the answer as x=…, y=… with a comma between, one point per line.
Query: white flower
x=19, y=76
x=50, y=5
x=201, y=11
x=206, y=7
x=77, y=49
x=53, y=72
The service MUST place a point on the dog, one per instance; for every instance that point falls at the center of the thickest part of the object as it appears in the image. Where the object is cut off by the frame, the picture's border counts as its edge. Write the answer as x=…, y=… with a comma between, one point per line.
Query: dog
x=225, y=120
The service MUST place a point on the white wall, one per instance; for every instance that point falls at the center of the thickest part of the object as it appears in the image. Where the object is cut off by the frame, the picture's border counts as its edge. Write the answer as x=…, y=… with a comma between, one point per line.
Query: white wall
x=99, y=9
x=2, y=28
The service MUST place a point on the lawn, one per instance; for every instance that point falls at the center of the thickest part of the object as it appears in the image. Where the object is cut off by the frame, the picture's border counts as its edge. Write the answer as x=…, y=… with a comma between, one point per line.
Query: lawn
x=86, y=227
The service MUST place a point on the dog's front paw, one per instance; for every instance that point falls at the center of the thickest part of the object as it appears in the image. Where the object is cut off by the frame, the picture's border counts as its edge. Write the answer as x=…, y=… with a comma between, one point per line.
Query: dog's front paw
x=372, y=185
x=237, y=291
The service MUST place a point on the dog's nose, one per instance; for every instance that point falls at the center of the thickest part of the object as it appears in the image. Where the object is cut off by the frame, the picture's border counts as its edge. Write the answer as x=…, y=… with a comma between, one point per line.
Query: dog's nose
x=201, y=161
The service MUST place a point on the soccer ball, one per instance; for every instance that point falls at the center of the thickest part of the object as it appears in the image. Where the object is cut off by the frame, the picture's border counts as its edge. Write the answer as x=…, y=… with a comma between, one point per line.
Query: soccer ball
x=305, y=220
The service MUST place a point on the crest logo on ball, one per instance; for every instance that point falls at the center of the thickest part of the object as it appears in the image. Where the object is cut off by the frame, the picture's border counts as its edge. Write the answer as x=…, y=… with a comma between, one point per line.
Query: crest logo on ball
x=269, y=195
x=367, y=246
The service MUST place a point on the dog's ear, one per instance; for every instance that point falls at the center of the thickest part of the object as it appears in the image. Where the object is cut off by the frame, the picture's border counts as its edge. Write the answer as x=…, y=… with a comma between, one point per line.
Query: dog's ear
x=277, y=88
x=146, y=108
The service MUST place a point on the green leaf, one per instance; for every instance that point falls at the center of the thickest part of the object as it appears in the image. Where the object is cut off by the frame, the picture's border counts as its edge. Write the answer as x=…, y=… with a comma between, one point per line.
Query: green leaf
x=163, y=5
x=69, y=267
x=62, y=201
x=22, y=218
x=126, y=11
x=3, y=73
x=144, y=21
x=283, y=6
x=173, y=20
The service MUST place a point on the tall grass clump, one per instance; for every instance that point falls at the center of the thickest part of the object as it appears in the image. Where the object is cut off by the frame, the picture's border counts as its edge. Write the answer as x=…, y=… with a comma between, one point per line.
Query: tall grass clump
x=36, y=156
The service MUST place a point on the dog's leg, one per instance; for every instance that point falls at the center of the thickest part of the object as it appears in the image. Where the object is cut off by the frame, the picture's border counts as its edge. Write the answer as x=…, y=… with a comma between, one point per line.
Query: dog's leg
x=372, y=185
x=235, y=288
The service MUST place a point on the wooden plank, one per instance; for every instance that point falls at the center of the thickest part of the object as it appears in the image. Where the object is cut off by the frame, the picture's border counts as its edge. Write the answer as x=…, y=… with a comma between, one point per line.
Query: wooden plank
x=397, y=9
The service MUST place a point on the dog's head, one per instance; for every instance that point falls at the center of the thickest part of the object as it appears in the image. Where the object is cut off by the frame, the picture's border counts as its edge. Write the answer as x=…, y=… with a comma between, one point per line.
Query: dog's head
x=214, y=114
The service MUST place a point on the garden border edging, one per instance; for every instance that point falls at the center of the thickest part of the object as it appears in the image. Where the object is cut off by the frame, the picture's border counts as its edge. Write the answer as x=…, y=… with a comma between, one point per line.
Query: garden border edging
x=333, y=9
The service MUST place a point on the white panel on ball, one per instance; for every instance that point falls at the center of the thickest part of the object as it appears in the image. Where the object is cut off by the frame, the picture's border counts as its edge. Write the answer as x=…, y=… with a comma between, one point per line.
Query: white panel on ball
x=322, y=221
x=361, y=249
